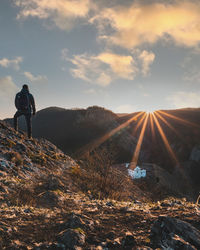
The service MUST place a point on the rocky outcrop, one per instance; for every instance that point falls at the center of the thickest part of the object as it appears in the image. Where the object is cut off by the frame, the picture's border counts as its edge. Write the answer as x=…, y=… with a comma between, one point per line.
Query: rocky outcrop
x=72, y=238
x=171, y=233
x=30, y=168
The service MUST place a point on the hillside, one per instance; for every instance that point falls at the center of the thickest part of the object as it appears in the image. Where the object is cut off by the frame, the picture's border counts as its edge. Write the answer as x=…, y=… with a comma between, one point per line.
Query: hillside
x=42, y=206
x=77, y=130
x=81, y=130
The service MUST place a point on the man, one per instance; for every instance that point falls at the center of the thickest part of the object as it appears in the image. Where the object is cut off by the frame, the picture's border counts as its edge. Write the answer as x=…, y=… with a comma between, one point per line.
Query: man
x=25, y=105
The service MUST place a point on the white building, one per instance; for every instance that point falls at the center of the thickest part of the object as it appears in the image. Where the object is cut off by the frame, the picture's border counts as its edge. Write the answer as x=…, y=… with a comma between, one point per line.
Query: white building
x=137, y=173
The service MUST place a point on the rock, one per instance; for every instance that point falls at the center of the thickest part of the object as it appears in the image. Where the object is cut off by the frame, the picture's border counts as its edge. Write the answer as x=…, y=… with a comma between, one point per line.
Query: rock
x=195, y=154
x=171, y=233
x=110, y=235
x=75, y=221
x=166, y=204
x=109, y=204
x=72, y=238
x=2, y=189
x=128, y=242
x=20, y=147
x=48, y=199
x=27, y=211
x=53, y=183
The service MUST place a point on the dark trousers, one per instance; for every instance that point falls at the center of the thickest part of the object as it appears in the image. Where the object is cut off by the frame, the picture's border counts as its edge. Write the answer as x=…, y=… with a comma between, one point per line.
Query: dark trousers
x=27, y=116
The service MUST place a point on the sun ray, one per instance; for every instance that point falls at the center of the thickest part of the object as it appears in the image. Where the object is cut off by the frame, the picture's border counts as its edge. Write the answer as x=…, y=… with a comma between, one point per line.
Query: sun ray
x=164, y=138
x=139, y=123
x=140, y=140
x=169, y=125
x=179, y=119
x=94, y=144
x=152, y=126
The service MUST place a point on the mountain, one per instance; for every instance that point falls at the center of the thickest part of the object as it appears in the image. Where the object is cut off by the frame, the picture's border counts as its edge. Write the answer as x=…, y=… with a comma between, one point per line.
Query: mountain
x=79, y=130
x=48, y=202
x=75, y=131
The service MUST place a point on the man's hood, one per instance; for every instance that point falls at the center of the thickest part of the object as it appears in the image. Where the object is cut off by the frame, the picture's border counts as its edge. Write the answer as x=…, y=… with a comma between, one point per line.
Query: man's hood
x=25, y=91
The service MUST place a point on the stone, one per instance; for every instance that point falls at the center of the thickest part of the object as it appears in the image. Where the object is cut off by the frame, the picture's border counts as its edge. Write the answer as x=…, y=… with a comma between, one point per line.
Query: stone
x=109, y=204
x=27, y=211
x=20, y=147
x=171, y=233
x=110, y=235
x=128, y=242
x=48, y=199
x=72, y=238
x=75, y=221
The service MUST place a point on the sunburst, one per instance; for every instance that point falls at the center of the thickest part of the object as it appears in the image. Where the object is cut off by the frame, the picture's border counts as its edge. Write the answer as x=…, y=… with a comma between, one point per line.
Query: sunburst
x=142, y=119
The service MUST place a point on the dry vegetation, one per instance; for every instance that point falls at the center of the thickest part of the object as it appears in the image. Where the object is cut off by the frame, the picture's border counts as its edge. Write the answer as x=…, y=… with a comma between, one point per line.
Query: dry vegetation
x=97, y=176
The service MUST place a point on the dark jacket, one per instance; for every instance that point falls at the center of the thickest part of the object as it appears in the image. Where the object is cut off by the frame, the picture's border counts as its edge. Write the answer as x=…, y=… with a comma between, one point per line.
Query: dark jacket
x=31, y=107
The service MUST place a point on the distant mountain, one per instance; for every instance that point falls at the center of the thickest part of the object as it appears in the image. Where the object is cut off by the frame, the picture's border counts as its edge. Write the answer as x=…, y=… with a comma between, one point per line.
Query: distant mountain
x=174, y=146
x=75, y=131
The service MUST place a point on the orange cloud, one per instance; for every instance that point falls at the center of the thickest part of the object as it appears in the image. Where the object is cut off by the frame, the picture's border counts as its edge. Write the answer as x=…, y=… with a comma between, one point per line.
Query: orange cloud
x=123, y=66
x=61, y=12
x=107, y=66
x=102, y=69
x=147, y=23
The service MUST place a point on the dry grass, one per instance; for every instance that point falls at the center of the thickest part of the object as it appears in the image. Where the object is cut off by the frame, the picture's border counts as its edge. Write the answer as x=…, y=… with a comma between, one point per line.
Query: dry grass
x=99, y=178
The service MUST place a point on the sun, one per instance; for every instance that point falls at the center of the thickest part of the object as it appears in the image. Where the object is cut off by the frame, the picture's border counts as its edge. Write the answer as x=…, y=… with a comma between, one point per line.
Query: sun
x=150, y=110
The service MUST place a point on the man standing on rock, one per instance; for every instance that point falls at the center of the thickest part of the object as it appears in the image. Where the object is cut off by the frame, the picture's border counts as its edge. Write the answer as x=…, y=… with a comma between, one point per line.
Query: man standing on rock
x=25, y=105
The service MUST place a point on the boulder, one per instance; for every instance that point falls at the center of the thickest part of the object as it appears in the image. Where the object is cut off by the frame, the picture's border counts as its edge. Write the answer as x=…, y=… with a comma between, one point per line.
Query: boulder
x=72, y=238
x=128, y=242
x=75, y=221
x=171, y=233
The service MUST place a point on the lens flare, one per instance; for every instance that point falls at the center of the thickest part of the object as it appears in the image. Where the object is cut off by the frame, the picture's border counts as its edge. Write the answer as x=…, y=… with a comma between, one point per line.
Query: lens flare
x=169, y=125
x=139, y=123
x=164, y=138
x=179, y=119
x=94, y=144
x=140, y=140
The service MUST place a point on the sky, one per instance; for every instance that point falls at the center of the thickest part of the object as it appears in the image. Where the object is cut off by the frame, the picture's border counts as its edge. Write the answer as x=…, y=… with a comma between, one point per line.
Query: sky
x=124, y=55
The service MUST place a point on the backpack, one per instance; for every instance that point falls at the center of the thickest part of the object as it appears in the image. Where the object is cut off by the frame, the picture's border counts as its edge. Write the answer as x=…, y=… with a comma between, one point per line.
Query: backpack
x=23, y=101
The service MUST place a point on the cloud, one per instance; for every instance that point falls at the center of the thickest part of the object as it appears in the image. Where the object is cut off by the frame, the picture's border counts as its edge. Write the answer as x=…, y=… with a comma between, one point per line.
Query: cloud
x=14, y=63
x=146, y=23
x=122, y=65
x=8, y=88
x=147, y=58
x=63, y=13
x=37, y=79
x=184, y=99
x=103, y=68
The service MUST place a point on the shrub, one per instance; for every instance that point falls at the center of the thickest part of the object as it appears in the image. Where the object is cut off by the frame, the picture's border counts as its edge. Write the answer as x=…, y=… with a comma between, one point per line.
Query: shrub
x=100, y=178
